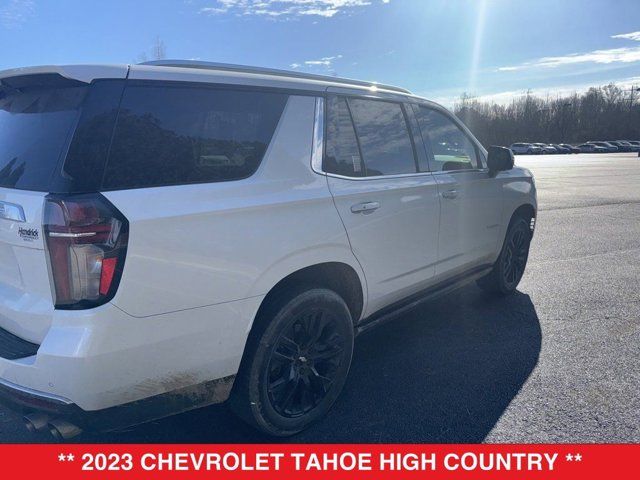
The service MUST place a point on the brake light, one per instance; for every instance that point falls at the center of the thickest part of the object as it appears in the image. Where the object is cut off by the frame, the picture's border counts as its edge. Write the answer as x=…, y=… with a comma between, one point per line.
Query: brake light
x=86, y=238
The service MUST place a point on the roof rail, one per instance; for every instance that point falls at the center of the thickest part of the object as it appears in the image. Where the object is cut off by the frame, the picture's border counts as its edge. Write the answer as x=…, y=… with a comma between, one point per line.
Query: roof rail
x=269, y=71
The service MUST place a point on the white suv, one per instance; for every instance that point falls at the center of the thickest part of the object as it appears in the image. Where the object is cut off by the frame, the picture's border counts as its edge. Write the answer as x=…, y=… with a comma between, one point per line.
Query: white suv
x=176, y=234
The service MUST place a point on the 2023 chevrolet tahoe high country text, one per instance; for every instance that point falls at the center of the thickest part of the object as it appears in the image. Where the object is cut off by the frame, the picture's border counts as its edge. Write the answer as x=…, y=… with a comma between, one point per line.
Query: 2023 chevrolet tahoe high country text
x=175, y=234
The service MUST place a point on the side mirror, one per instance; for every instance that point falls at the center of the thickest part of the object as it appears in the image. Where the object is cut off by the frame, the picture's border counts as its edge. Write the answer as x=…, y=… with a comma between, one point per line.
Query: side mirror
x=499, y=159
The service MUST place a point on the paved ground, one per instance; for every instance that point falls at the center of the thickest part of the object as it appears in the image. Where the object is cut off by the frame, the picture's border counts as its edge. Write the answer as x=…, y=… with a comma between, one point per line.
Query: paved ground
x=557, y=362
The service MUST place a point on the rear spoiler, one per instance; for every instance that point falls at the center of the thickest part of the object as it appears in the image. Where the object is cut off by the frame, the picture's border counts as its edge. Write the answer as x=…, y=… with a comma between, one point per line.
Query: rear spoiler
x=79, y=73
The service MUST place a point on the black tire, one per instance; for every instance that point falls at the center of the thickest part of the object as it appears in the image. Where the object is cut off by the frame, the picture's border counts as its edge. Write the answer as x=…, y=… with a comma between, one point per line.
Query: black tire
x=297, y=360
x=510, y=265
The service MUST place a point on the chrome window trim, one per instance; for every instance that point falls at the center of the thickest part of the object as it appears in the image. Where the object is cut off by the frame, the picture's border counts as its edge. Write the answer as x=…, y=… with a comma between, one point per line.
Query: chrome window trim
x=380, y=177
x=317, y=149
x=469, y=170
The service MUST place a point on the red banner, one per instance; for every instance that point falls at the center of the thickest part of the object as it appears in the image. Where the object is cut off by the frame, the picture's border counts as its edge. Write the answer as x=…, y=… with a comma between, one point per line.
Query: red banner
x=321, y=462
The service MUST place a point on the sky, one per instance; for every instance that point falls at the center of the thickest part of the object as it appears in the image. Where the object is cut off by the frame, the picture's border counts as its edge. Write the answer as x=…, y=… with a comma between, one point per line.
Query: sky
x=493, y=49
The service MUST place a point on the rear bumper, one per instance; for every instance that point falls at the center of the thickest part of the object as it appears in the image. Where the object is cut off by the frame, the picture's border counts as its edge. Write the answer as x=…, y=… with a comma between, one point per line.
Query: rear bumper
x=104, y=368
x=26, y=401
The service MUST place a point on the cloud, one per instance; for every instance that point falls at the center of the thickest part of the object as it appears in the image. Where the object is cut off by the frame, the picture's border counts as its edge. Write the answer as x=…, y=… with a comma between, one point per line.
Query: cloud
x=285, y=8
x=628, y=36
x=611, y=55
x=14, y=13
x=324, y=62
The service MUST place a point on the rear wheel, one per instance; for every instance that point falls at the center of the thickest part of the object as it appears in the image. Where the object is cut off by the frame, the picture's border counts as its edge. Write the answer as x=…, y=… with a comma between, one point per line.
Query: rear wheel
x=297, y=362
x=509, y=268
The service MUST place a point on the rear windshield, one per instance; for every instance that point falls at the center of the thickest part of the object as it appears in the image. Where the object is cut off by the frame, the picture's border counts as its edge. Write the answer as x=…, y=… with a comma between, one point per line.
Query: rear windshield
x=35, y=125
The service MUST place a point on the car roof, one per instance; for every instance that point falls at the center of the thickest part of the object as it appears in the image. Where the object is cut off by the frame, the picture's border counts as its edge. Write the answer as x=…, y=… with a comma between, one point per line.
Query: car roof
x=272, y=72
x=197, y=71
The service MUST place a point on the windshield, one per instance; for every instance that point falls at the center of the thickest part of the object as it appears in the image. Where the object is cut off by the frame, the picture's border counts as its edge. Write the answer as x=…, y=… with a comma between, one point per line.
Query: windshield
x=35, y=123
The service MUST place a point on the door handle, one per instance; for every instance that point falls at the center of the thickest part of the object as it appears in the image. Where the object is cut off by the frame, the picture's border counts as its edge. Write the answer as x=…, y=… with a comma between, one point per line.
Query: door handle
x=450, y=194
x=366, y=207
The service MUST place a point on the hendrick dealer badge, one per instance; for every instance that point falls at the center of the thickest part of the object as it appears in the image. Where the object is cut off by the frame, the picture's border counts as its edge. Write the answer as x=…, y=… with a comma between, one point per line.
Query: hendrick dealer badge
x=28, y=234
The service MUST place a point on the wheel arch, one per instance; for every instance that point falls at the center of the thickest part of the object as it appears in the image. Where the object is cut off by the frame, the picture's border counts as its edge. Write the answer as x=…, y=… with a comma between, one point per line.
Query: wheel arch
x=337, y=276
x=526, y=211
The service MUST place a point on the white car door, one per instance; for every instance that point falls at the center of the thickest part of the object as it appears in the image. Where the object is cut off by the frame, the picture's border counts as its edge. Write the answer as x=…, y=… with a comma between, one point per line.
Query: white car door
x=470, y=198
x=390, y=211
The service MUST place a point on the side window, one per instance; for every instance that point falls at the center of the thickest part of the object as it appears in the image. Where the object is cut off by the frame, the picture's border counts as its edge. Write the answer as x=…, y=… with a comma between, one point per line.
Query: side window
x=450, y=148
x=383, y=136
x=342, y=155
x=173, y=135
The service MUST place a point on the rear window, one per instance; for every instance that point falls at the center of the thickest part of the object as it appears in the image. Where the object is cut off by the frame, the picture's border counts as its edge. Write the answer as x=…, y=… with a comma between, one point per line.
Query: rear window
x=342, y=155
x=171, y=135
x=384, y=137
x=35, y=125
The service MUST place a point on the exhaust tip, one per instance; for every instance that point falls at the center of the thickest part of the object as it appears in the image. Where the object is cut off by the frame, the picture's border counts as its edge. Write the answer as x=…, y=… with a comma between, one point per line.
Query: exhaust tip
x=36, y=422
x=63, y=430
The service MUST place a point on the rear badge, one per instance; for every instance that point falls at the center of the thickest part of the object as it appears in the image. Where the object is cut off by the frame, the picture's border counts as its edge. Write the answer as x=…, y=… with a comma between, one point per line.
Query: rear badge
x=28, y=234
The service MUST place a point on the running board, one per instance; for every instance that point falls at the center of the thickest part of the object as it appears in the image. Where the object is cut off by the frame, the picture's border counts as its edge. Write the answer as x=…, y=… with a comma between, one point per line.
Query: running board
x=395, y=310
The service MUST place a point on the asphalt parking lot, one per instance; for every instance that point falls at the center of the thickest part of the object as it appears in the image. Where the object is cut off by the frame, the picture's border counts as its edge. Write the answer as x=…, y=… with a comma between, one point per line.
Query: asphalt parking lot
x=557, y=362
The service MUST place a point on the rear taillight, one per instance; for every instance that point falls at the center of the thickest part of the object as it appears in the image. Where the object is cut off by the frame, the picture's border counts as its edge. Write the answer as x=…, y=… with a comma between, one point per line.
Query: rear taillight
x=86, y=238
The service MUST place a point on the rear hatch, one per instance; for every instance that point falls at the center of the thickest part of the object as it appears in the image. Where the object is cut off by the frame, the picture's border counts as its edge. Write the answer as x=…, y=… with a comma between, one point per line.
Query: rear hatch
x=38, y=114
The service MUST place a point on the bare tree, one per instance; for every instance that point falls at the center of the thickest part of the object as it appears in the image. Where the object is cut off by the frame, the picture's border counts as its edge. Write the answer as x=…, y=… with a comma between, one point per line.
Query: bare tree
x=157, y=52
x=159, y=49
x=600, y=113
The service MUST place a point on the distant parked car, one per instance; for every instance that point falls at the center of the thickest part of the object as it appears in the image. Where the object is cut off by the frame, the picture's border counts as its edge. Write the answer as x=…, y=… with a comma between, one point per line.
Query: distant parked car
x=545, y=148
x=627, y=146
x=635, y=143
x=560, y=148
x=622, y=145
x=592, y=148
x=525, y=149
x=609, y=146
x=572, y=149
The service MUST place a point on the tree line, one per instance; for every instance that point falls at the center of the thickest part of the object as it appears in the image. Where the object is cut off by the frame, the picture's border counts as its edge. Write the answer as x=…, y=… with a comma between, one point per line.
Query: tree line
x=602, y=113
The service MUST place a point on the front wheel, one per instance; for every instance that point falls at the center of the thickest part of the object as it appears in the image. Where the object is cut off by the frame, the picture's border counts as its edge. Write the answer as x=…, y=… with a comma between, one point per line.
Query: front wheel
x=509, y=268
x=296, y=363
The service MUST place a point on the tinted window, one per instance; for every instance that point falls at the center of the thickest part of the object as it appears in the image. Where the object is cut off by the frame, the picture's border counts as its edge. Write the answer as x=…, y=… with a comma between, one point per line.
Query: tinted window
x=342, y=155
x=450, y=148
x=169, y=135
x=384, y=138
x=35, y=124
x=85, y=161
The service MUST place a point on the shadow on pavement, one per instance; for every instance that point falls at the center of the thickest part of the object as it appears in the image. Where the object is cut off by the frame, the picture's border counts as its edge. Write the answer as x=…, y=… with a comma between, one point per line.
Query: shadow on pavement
x=443, y=373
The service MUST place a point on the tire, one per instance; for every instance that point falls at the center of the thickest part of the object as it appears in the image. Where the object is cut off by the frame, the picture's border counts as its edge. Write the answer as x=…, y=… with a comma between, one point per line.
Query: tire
x=296, y=363
x=512, y=261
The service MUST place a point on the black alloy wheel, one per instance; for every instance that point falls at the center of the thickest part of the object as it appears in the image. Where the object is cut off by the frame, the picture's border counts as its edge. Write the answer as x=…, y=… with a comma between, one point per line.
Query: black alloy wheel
x=514, y=258
x=296, y=361
x=304, y=363
x=512, y=261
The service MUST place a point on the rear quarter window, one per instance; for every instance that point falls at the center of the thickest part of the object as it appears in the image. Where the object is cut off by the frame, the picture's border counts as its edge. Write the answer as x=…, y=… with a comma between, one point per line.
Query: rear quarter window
x=173, y=135
x=35, y=125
